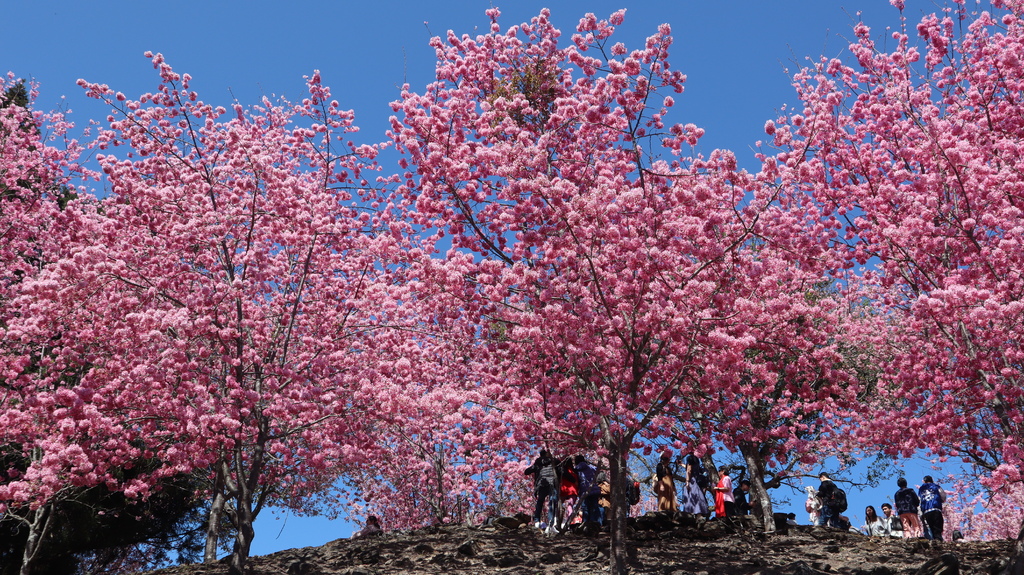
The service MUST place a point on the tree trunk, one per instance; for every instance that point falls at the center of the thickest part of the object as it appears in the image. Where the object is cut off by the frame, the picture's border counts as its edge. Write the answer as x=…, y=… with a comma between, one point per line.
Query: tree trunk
x=215, y=518
x=244, y=533
x=618, y=473
x=711, y=468
x=755, y=472
x=245, y=487
x=38, y=522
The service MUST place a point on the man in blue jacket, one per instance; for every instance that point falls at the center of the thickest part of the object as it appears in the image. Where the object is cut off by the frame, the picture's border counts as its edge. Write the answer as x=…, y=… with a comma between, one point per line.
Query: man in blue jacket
x=932, y=497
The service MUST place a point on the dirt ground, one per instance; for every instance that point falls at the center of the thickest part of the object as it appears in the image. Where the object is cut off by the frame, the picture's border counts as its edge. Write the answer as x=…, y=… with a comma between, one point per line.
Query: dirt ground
x=658, y=545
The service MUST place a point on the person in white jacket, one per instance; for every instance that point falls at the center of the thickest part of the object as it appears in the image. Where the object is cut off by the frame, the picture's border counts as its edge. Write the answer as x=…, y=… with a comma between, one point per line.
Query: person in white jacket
x=891, y=522
x=813, y=506
x=873, y=524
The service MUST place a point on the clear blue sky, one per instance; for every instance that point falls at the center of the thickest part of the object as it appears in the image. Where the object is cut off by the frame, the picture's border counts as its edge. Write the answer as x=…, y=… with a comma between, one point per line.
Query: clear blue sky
x=736, y=55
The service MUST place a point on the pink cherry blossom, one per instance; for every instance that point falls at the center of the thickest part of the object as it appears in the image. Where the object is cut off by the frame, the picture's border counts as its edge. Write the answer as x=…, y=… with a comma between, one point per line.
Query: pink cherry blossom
x=917, y=160
x=620, y=291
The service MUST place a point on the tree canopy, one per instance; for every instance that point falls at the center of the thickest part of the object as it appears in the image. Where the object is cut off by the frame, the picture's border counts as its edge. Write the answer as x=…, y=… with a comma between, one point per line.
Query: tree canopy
x=262, y=307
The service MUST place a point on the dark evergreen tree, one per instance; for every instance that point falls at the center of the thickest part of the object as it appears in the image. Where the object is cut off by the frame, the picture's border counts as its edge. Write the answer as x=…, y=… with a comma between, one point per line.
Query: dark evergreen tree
x=100, y=531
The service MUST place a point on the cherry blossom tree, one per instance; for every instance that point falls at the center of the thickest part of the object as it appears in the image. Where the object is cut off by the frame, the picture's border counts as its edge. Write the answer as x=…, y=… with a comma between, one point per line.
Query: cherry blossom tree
x=982, y=514
x=914, y=151
x=433, y=468
x=609, y=260
x=219, y=302
x=37, y=158
x=805, y=376
x=442, y=452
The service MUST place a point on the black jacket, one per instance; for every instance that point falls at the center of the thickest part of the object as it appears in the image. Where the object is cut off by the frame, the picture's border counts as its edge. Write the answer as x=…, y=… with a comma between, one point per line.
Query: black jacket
x=906, y=501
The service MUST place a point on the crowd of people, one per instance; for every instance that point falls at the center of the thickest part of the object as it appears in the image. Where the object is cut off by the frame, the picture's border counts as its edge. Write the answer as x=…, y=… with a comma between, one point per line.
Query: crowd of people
x=729, y=501
x=573, y=490
x=568, y=490
x=917, y=513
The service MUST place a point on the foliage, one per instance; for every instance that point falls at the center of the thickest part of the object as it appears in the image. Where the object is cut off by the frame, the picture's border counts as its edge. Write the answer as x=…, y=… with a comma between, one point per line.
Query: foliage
x=247, y=309
x=634, y=285
x=911, y=152
x=214, y=298
x=101, y=531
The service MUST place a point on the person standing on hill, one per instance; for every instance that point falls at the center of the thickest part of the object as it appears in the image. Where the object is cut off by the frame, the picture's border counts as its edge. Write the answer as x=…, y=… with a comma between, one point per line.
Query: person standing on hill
x=371, y=529
x=739, y=496
x=665, y=485
x=569, y=489
x=891, y=521
x=694, y=499
x=873, y=524
x=590, y=490
x=632, y=488
x=604, y=499
x=932, y=497
x=826, y=494
x=725, y=505
x=813, y=506
x=907, y=503
x=544, y=488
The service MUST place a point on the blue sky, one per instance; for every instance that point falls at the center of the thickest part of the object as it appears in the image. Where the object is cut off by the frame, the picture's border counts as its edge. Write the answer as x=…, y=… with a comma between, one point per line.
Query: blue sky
x=737, y=55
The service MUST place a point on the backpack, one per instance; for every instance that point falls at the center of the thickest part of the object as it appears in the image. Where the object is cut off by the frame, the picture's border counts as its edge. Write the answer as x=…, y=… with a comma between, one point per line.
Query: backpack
x=633, y=496
x=838, y=501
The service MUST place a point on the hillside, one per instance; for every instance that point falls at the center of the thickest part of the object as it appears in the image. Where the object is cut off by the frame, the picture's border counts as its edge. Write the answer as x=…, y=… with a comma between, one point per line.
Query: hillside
x=686, y=545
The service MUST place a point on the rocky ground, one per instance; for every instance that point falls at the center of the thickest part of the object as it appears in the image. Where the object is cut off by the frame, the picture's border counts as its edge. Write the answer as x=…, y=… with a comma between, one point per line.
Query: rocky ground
x=658, y=545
